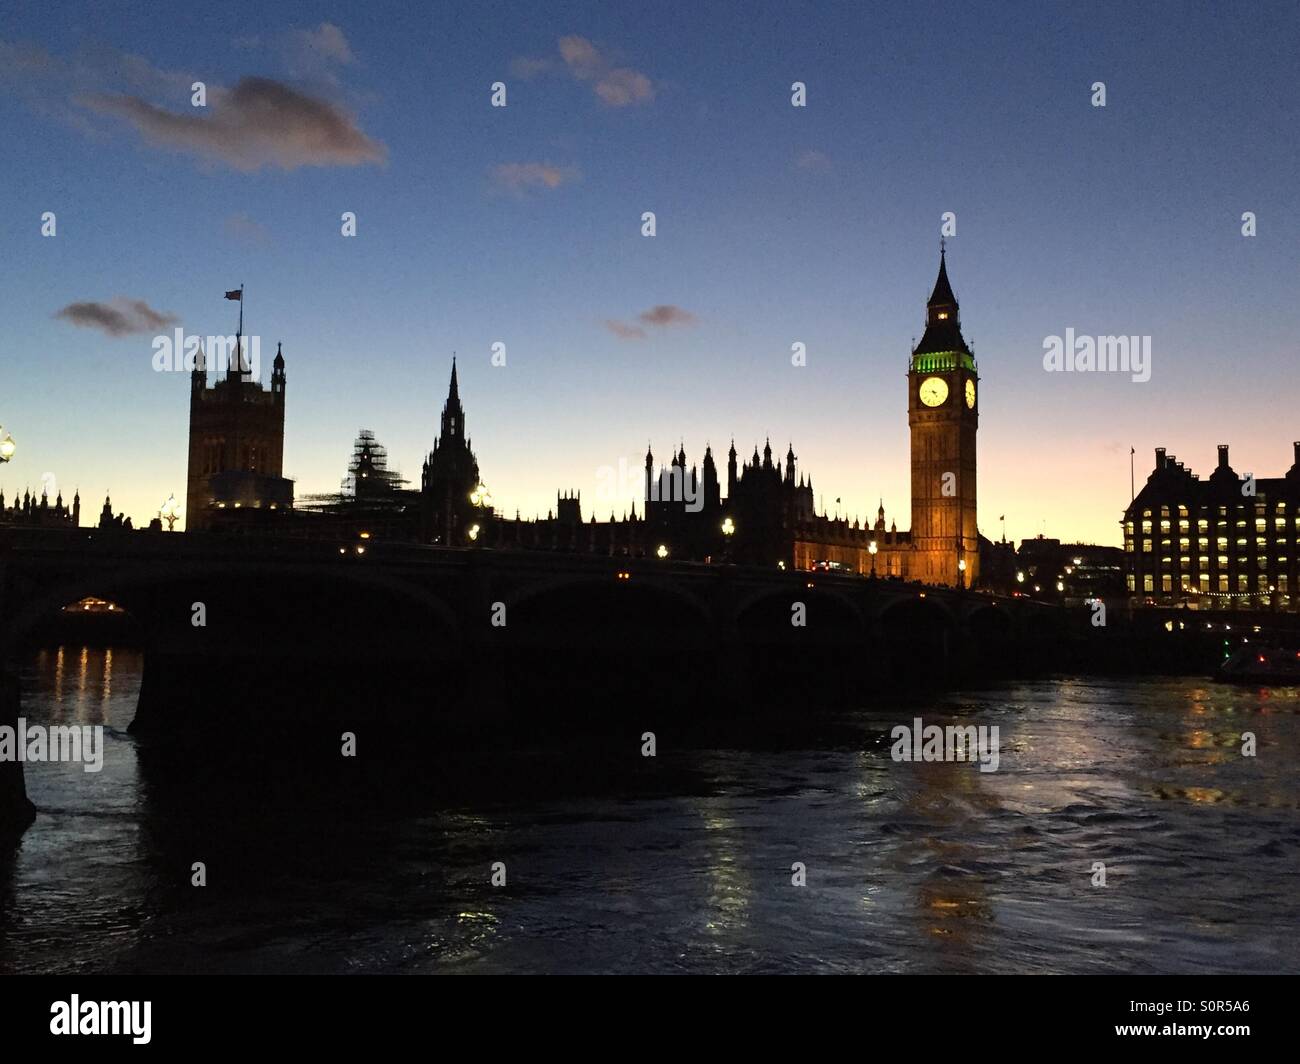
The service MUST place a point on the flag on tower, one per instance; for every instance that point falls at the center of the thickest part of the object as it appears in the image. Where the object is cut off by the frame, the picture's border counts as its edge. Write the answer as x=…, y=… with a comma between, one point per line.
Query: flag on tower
x=237, y=294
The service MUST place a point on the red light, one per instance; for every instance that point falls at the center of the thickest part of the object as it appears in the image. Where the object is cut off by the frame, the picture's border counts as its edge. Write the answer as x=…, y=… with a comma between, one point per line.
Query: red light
x=1261, y=659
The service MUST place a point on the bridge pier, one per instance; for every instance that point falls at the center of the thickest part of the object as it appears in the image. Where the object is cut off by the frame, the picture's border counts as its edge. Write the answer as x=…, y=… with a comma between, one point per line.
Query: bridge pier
x=16, y=810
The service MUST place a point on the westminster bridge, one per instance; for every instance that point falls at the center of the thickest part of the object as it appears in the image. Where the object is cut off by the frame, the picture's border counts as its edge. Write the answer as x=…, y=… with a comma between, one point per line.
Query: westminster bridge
x=248, y=634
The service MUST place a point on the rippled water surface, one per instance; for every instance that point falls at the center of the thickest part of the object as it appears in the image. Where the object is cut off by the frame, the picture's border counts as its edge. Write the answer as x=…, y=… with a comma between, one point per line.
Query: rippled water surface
x=618, y=863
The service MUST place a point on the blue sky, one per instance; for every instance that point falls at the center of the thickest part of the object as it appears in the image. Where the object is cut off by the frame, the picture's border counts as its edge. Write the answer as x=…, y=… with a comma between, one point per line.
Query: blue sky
x=775, y=224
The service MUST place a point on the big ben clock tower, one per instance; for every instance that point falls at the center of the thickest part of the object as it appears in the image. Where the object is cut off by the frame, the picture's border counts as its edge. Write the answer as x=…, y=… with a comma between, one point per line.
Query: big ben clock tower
x=943, y=412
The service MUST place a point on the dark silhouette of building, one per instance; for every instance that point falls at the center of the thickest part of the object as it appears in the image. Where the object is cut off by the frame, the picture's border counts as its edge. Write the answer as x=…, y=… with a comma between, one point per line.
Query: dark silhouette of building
x=449, y=477
x=236, y=446
x=109, y=523
x=30, y=513
x=1224, y=542
x=1069, y=573
x=373, y=501
x=767, y=515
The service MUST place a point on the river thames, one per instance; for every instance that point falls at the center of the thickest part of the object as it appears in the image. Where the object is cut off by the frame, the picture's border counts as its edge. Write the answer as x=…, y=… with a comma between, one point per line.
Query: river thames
x=683, y=862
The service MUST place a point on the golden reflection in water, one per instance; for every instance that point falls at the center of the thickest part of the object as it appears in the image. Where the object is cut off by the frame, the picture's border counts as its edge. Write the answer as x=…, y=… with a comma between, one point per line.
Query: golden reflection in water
x=955, y=912
x=78, y=683
x=731, y=888
x=96, y=713
x=57, y=708
x=1198, y=795
x=480, y=929
x=952, y=911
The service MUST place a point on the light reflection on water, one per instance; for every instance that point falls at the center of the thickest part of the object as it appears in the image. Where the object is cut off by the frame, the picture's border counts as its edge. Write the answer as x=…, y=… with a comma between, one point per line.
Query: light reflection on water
x=684, y=863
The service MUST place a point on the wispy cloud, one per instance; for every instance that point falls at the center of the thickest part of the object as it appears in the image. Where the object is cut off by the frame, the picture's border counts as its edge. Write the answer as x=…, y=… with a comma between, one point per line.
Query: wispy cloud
x=661, y=316
x=310, y=55
x=666, y=314
x=518, y=178
x=327, y=41
x=260, y=122
x=624, y=332
x=245, y=229
x=120, y=317
x=614, y=85
x=814, y=161
x=48, y=83
x=527, y=69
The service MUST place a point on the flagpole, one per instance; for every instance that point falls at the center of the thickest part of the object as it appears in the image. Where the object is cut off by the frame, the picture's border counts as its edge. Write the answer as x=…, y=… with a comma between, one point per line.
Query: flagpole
x=1132, y=491
x=239, y=336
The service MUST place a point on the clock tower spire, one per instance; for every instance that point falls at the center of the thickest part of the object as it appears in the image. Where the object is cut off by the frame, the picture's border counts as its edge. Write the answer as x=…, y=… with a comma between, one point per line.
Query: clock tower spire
x=942, y=413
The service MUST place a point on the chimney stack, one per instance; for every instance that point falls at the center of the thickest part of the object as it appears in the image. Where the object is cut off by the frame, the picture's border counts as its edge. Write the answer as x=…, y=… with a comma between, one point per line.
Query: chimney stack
x=1223, y=456
x=1160, y=458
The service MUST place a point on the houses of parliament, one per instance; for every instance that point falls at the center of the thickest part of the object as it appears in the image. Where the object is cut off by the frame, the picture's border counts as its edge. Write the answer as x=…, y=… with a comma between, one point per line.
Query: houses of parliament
x=766, y=517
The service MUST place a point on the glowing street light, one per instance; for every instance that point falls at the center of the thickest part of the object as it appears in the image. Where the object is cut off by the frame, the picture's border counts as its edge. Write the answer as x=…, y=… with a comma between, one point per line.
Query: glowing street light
x=961, y=571
x=170, y=511
x=1020, y=578
x=728, y=530
x=7, y=446
x=662, y=552
x=480, y=496
x=872, y=548
x=473, y=532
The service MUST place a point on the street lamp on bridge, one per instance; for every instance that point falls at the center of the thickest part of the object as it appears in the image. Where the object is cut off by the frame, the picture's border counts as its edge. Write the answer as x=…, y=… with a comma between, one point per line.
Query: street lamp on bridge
x=7, y=446
x=872, y=548
x=170, y=511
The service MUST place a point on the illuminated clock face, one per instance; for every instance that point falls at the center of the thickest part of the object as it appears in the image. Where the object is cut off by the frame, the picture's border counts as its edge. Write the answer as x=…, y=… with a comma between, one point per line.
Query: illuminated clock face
x=933, y=391
x=970, y=394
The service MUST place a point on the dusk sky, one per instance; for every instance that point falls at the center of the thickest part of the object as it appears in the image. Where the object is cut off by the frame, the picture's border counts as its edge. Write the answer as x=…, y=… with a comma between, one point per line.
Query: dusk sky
x=775, y=225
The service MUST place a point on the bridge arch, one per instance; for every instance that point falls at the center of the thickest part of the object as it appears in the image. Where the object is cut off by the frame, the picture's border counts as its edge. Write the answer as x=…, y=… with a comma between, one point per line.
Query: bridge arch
x=635, y=582
x=822, y=659
x=918, y=634
x=266, y=628
x=593, y=650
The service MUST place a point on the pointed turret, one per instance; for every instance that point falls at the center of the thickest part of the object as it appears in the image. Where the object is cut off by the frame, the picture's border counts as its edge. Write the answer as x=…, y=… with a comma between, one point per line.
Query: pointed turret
x=277, y=372
x=453, y=414
x=942, y=295
x=942, y=318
